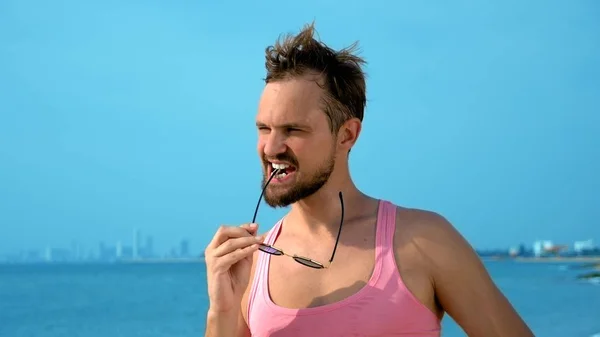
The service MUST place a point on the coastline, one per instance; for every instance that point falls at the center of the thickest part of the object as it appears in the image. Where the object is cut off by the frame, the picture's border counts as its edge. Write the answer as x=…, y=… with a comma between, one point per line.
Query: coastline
x=591, y=261
x=163, y=260
x=559, y=259
x=190, y=260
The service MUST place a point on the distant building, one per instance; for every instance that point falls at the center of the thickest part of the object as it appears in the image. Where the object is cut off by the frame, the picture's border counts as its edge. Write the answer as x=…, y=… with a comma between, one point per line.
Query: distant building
x=76, y=251
x=58, y=255
x=106, y=253
x=581, y=247
x=149, y=248
x=184, y=249
x=48, y=254
x=517, y=251
x=137, y=240
x=541, y=246
x=119, y=250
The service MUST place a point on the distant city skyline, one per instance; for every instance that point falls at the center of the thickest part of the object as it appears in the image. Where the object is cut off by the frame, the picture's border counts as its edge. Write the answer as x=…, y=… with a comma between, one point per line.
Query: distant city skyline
x=141, y=115
x=142, y=248
x=165, y=246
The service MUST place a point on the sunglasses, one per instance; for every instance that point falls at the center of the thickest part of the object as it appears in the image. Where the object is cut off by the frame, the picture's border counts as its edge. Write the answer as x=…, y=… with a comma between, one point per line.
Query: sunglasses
x=265, y=248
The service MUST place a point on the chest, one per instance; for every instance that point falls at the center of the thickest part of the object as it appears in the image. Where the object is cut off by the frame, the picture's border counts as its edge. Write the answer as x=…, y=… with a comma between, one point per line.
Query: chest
x=340, y=305
x=292, y=285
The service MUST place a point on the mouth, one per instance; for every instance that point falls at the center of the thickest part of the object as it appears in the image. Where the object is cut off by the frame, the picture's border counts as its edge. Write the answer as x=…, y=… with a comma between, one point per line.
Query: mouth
x=284, y=171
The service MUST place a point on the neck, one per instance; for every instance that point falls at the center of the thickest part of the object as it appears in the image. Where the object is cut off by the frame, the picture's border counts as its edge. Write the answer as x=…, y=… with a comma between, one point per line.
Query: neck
x=322, y=211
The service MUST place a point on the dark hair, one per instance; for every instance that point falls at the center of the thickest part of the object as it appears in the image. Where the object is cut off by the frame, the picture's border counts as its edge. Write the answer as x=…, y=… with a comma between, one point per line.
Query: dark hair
x=343, y=80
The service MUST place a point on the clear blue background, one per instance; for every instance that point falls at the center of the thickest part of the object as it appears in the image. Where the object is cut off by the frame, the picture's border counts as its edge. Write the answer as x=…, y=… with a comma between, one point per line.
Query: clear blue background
x=117, y=115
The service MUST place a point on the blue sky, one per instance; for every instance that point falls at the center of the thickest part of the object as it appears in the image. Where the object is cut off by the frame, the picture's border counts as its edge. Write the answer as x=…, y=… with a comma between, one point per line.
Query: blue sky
x=117, y=115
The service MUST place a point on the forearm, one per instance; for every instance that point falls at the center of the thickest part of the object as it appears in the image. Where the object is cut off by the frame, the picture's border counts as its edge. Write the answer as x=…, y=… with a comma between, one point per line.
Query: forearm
x=222, y=324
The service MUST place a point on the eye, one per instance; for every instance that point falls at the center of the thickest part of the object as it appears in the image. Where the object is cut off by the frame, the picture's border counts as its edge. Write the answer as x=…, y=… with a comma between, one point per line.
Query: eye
x=291, y=130
x=263, y=129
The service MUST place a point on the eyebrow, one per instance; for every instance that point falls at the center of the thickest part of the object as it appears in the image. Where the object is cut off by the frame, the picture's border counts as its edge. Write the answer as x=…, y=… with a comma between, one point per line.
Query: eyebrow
x=285, y=126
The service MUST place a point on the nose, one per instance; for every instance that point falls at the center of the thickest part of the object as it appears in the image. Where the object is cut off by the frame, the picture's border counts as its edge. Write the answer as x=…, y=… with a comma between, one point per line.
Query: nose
x=274, y=145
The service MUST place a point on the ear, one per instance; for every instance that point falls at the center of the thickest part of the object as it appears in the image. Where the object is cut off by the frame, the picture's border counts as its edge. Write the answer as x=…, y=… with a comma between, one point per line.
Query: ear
x=348, y=133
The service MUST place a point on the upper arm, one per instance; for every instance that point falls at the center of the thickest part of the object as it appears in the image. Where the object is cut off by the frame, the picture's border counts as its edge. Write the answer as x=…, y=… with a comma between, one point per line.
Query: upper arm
x=464, y=288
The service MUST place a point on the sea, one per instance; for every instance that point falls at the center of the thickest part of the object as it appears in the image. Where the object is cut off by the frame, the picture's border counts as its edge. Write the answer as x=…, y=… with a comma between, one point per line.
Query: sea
x=170, y=300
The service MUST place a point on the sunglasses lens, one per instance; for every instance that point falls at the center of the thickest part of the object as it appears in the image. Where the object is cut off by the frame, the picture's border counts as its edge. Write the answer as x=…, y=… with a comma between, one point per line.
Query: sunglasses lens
x=308, y=263
x=270, y=250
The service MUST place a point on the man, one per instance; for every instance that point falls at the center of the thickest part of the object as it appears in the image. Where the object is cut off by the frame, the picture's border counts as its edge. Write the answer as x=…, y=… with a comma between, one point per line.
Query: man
x=391, y=270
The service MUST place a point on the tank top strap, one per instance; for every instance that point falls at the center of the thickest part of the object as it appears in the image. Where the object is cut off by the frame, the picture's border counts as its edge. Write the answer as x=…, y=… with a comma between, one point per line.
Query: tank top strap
x=386, y=226
x=261, y=269
x=273, y=233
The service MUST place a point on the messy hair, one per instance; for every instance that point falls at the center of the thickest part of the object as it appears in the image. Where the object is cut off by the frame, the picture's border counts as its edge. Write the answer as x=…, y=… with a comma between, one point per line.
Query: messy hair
x=342, y=78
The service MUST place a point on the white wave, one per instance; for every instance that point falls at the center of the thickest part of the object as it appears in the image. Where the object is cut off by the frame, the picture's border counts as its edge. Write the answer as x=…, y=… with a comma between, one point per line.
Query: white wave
x=595, y=280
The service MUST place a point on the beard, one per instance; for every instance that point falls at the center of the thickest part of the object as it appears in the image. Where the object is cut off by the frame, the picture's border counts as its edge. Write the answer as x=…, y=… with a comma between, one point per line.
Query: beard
x=303, y=188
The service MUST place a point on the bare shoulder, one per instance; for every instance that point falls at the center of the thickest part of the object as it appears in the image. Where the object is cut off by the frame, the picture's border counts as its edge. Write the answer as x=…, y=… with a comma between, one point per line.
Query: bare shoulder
x=426, y=239
x=422, y=222
x=435, y=237
x=461, y=284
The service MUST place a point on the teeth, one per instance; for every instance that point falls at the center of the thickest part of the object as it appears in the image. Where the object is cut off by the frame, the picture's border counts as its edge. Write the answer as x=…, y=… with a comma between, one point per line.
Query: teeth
x=280, y=166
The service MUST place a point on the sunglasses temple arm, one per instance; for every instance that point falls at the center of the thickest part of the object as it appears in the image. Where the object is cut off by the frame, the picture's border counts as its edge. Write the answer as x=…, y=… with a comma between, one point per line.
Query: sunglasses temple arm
x=339, y=230
x=263, y=192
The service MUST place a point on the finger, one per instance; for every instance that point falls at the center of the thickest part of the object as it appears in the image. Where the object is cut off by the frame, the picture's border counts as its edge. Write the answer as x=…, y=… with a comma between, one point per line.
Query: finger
x=224, y=233
x=232, y=245
x=225, y=262
x=252, y=228
x=261, y=237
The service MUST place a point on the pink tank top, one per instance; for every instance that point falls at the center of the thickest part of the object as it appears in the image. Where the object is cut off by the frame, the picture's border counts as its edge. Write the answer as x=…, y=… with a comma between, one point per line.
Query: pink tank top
x=384, y=307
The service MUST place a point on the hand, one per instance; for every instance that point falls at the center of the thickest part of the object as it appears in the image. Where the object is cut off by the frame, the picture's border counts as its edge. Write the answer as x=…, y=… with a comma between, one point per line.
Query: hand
x=228, y=264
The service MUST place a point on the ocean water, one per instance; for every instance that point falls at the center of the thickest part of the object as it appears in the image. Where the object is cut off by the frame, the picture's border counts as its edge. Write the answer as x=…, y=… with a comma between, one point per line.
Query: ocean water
x=170, y=300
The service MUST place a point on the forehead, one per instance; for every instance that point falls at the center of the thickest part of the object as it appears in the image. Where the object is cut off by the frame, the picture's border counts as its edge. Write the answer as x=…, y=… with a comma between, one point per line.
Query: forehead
x=291, y=101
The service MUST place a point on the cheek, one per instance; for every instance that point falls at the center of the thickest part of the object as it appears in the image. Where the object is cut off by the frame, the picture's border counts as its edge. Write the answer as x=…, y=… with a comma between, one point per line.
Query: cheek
x=260, y=146
x=308, y=154
x=314, y=148
x=296, y=147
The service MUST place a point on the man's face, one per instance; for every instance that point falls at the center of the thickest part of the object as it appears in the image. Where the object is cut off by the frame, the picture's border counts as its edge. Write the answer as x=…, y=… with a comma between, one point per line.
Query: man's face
x=294, y=135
